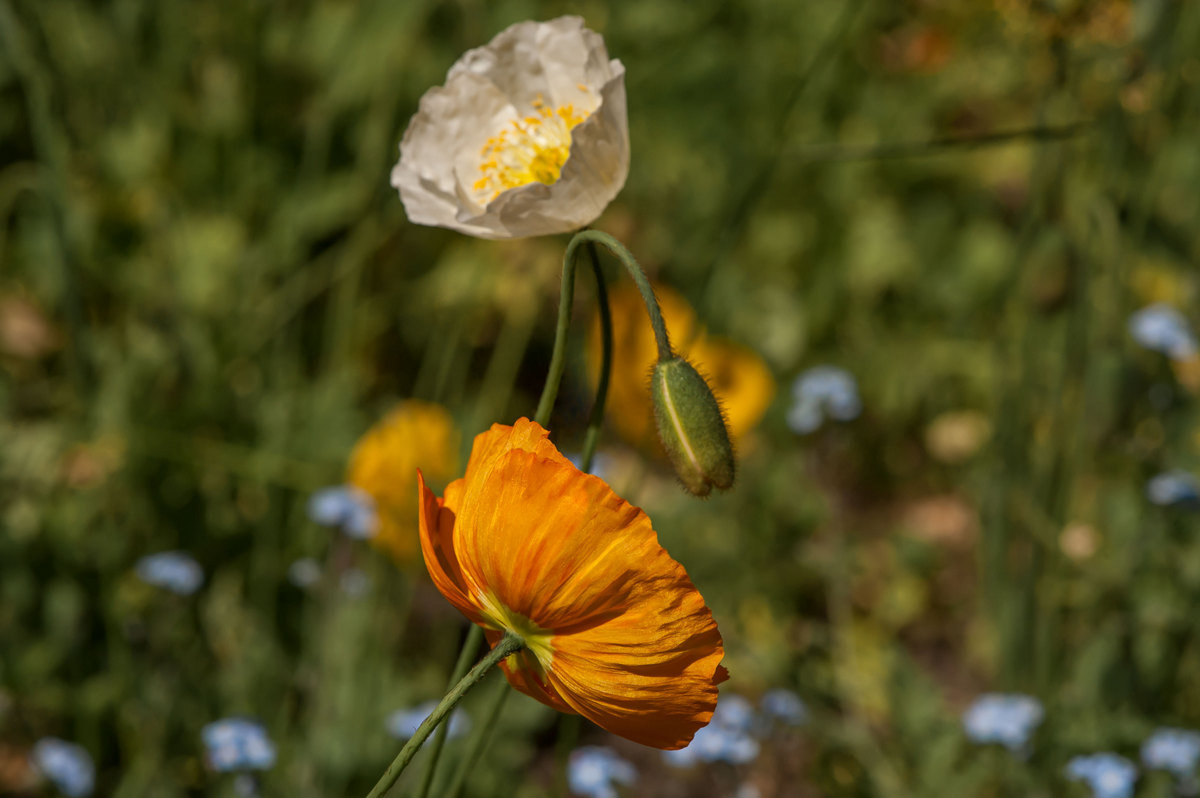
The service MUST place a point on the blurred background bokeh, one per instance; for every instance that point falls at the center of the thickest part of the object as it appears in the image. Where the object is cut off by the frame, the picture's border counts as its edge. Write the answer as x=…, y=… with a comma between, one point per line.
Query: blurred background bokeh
x=209, y=293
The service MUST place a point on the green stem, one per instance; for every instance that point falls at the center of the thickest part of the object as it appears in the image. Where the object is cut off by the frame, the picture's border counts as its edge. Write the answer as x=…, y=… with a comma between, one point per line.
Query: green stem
x=479, y=740
x=558, y=358
x=596, y=419
x=469, y=647
x=508, y=645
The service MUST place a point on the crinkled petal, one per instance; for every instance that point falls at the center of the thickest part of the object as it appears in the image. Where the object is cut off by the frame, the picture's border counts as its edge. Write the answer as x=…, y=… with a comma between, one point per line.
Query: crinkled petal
x=557, y=62
x=436, y=524
x=635, y=649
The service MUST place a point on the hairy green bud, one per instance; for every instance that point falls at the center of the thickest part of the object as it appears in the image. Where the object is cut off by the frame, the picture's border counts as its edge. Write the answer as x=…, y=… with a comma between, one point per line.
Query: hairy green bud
x=691, y=427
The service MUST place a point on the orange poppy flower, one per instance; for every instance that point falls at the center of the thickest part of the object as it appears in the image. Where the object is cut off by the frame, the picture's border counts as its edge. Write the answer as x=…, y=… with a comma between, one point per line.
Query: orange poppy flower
x=614, y=629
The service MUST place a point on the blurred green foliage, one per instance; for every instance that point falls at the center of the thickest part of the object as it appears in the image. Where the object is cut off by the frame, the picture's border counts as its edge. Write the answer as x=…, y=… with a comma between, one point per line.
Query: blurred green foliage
x=208, y=291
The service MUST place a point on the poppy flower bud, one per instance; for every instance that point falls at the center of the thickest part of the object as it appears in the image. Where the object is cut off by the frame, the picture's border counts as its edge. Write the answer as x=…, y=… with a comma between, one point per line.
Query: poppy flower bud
x=691, y=427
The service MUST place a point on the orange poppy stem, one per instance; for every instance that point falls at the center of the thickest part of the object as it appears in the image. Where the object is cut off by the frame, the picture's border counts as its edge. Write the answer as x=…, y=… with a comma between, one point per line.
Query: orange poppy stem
x=508, y=645
x=558, y=358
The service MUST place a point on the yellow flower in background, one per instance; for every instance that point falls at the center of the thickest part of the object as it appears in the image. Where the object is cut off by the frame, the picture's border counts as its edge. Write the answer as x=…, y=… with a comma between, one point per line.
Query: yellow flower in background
x=738, y=376
x=384, y=466
x=529, y=136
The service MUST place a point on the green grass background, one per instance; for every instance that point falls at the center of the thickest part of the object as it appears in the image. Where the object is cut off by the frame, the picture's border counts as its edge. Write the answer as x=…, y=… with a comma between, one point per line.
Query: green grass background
x=959, y=203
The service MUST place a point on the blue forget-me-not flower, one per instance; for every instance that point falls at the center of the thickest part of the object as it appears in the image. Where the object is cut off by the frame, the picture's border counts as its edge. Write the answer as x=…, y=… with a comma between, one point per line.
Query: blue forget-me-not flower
x=1173, y=487
x=1173, y=750
x=66, y=764
x=1109, y=775
x=238, y=744
x=823, y=392
x=346, y=507
x=172, y=570
x=592, y=770
x=1005, y=718
x=403, y=723
x=1162, y=328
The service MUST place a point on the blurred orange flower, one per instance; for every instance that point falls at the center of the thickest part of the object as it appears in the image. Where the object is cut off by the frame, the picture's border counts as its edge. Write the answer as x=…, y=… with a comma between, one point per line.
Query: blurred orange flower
x=614, y=629
x=384, y=465
x=737, y=374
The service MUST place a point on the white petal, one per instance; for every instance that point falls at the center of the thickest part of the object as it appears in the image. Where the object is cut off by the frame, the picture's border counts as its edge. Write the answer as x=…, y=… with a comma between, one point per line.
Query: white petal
x=558, y=62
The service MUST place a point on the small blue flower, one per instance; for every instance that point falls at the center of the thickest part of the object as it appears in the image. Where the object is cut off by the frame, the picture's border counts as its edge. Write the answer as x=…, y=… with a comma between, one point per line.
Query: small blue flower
x=346, y=507
x=304, y=573
x=1173, y=487
x=820, y=392
x=592, y=770
x=172, y=570
x=1005, y=718
x=403, y=723
x=1162, y=328
x=725, y=739
x=238, y=744
x=67, y=765
x=1174, y=750
x=1109, y=775
x=785, y=706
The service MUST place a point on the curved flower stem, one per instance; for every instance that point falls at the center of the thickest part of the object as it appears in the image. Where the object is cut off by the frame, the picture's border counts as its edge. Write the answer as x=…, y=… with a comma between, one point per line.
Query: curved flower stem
x=469, y=647
x=558, y=358
x=479, y=741
x=508, y=645
x=596, y=418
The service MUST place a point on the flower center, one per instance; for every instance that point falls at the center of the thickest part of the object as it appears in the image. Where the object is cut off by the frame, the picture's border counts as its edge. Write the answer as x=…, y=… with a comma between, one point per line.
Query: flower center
x=532, y=150
x=537, y=639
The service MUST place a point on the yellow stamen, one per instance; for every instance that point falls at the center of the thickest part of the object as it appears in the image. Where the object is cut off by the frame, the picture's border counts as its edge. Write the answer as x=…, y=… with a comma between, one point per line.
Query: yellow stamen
x=532, y=150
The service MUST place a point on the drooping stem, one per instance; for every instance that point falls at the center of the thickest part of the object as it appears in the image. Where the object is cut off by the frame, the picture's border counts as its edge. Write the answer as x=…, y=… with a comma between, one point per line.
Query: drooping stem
x=596, y=419
x=558, y=358
x=508, y=645
x=469, y=647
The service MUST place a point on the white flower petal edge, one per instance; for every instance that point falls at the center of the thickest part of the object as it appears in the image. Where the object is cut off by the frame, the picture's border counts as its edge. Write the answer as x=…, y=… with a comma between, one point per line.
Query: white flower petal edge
x=558, y=63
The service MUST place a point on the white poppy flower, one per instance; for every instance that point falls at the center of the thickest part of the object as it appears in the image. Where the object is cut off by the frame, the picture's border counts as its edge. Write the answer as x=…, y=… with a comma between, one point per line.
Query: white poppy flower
x=528, y=137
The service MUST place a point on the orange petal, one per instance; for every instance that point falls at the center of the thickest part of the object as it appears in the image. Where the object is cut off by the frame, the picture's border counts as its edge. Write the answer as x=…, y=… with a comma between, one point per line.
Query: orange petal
x=657, y=693
x=436, y=524
x=634, y=648
x=489, y=446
